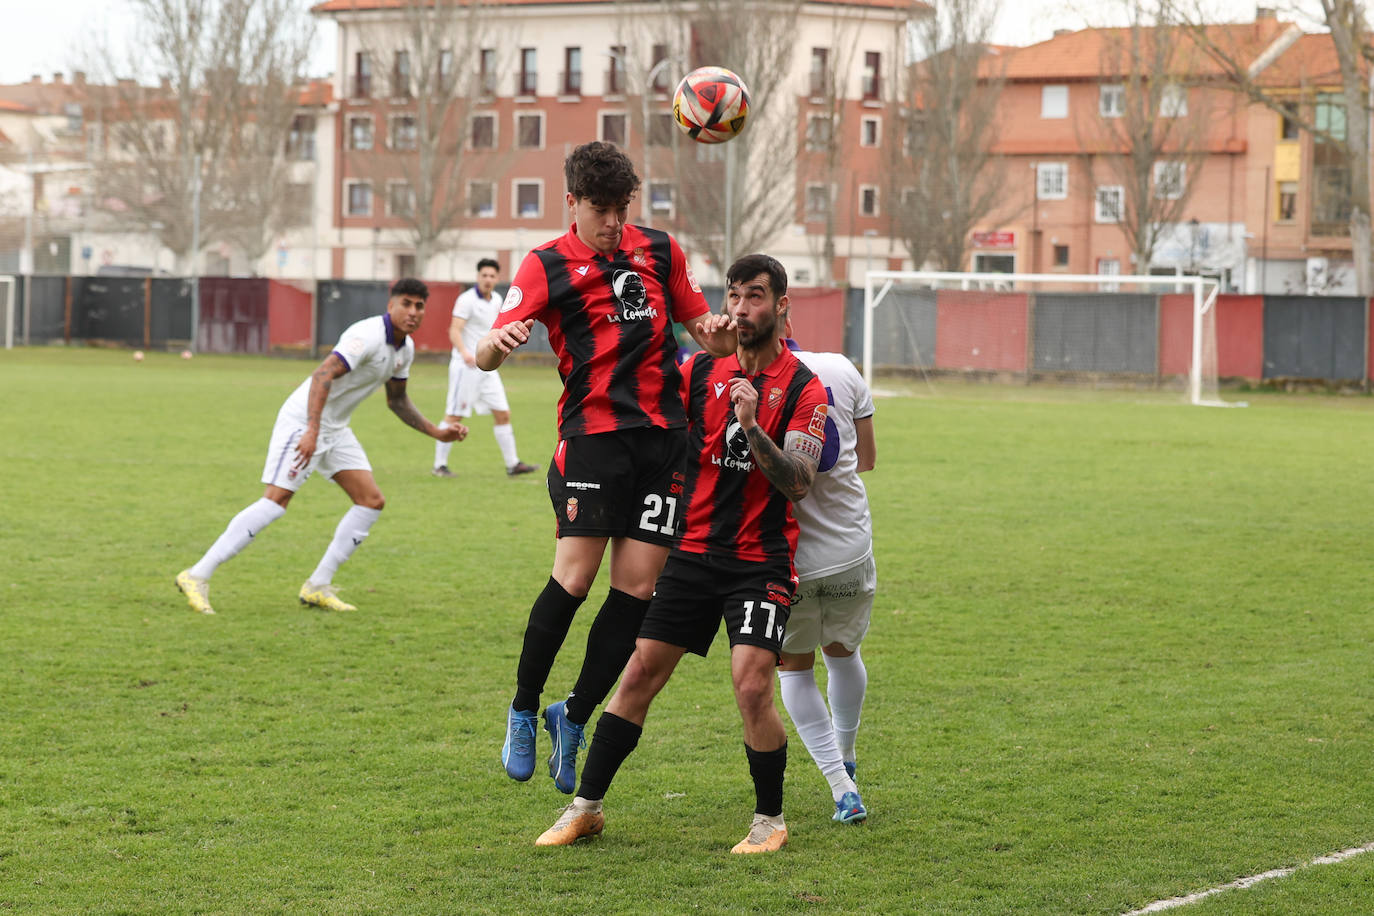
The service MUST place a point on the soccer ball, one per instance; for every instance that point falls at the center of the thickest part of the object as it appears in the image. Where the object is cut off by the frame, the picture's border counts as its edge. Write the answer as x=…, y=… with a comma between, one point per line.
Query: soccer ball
x=711, y=105
x=138, y=356
x=185, y=354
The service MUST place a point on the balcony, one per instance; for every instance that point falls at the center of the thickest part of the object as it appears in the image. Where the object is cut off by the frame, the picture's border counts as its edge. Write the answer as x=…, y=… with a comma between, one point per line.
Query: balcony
x=361, y=86
x=570, y=83
x=527, y=83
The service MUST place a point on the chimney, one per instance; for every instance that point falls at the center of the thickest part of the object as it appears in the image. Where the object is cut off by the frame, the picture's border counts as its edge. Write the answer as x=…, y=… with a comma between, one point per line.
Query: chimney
x=36, y=79
x=1060, y=33
x=57, y=78
x=79, y=77
x=166, y=82
x=1265, y=12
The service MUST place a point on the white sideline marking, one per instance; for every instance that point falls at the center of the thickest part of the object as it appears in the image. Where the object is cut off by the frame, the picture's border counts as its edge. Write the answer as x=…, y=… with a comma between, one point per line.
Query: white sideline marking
x=1172, y=902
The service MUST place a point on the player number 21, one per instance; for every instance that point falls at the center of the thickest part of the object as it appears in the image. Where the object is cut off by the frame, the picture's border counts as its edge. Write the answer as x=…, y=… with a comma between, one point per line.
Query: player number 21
x=656, y=506
x=748, y=626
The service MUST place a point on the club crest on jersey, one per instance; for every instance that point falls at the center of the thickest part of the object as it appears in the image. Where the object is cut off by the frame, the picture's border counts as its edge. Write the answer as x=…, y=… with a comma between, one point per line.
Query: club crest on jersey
x=774, y=397
x=572, y=509
x=638, y=257
x=629, y=291
x=512, y=299
x=737, y=457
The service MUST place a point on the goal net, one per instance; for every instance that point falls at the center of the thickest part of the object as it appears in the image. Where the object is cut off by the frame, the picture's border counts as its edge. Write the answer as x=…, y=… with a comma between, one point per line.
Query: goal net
x=1100, y=330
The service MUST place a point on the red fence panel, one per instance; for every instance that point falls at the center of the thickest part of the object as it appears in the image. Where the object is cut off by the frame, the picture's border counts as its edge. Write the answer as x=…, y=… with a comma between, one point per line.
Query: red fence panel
x=1240, y=337
x=818, y=319
x=433, y=334
x=980, y=330
x=288, y=315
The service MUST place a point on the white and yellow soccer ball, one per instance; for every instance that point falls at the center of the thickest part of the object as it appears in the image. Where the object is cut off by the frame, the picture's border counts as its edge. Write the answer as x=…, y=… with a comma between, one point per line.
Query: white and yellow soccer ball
x=711, y=105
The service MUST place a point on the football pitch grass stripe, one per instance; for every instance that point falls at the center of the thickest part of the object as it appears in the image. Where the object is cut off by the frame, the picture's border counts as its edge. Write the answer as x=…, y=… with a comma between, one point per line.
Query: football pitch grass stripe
x=1172, y=903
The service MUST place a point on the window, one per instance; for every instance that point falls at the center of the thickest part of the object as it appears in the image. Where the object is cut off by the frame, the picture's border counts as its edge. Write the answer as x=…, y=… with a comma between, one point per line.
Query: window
x=1061, y=255
x=482, y=131
x=300, y=141
x=1171, y=179
x=72, y=111
x=445, y=73
x=360, y=132
x=1288, y=201
x=819, y=77
x=528, y=78
x=528, y=202
x=1111, y=101
x=405, y=265
x=572, y=72
x=529, y=131
x=1109, y=202
x=615, y=76
x=868, y=200
x=405, y=132
x=661, y=80
x=872, y=75
x=359, y=198
x=486, y=71
x=400, y=76
x=994, y=263
x=1288, y=121
x=661, y=198
x=818, y=131
x=362, y=75
x=1054, y=101
x=1051, y=180
x=400, y=199
x=817, y=202
x=614, y=127
x=870, y=131
x=482, y=199
x=661, y=129
x=1173, y=101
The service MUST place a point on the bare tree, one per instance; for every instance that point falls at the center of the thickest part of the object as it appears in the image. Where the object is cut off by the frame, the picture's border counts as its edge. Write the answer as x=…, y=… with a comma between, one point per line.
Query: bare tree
x=1151, y=134
x=946, y=176
x=432, y=51
x=230, y=71
x=759, y=45
x=1346, y=138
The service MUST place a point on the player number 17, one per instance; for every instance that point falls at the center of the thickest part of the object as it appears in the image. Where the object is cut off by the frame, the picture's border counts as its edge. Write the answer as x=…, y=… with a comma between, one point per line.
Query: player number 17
x=656, y=507
x=748, y=626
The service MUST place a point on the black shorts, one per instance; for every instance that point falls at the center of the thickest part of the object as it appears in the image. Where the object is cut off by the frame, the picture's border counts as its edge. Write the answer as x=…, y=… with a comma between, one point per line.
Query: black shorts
x=620, y=484
x=695, y=592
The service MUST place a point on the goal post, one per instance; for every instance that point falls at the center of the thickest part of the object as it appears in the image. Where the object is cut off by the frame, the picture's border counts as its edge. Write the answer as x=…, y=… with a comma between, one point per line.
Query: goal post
x=7, y=302
x=1100, y=329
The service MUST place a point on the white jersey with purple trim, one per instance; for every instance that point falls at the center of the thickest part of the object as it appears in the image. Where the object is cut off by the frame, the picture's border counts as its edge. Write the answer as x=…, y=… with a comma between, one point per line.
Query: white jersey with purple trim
x=368, y=348
x=480, y=314
x=835, y=527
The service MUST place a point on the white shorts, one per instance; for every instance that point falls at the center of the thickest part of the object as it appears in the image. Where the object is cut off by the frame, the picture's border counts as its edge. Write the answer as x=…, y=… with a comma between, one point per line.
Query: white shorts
x=339, y=452
x=470, y=390
x=834, y=608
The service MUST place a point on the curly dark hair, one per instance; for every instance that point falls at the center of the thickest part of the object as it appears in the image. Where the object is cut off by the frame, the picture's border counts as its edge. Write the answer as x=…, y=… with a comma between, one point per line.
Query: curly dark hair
x=489, y=262
x=751, y=265
x=409, y=286
x=601, y=173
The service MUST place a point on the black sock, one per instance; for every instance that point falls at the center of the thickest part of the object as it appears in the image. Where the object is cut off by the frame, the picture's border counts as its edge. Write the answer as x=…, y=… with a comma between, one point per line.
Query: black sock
x=610, y=643
x=767, y=768
x=550, y=618
x=611, y=743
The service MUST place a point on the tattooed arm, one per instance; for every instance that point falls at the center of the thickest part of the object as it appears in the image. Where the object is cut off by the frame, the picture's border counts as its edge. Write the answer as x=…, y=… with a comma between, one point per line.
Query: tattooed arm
x=400, y=404
x=321, y=381
x=790, y=469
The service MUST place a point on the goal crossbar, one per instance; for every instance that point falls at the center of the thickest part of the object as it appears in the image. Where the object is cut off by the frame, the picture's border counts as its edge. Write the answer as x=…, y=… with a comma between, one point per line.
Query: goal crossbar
x=1204, y=291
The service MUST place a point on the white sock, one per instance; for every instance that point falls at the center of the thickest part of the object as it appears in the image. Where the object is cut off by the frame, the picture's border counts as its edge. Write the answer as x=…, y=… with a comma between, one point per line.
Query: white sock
x=587, y=805
x=802, y=698
x=505, y=438
x=848, y=683
x=351, y=532
x=441, y=449
x=238, y=535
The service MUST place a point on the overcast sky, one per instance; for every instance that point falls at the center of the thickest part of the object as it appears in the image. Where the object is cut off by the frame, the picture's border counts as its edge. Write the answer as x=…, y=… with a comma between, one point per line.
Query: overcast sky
x=46, y=36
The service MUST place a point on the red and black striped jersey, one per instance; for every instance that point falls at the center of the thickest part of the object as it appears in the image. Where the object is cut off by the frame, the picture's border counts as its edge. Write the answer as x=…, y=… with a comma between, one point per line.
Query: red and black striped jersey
x=732, y=509
x=610, y=322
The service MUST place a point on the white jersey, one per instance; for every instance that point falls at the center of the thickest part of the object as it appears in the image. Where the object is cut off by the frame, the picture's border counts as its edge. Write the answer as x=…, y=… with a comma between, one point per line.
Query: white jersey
x=368, y=348
x=480, y=314
x=835, y=527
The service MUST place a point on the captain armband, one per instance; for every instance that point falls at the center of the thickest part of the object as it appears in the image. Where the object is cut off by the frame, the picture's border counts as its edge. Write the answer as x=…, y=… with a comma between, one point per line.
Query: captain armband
x=803, y=444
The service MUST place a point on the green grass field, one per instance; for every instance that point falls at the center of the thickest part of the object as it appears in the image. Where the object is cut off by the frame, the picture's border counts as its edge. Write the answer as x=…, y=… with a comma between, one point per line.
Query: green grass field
x=1121, y=651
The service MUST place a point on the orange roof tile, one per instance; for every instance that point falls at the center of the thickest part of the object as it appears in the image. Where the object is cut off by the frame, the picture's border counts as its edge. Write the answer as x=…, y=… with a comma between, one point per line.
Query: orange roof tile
x=1091, y=54
x=9, y=105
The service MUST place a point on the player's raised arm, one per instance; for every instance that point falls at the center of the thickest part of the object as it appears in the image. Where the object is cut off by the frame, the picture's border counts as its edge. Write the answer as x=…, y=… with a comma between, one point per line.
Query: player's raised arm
x=714, y=333
x=501, y=342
